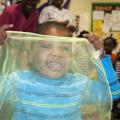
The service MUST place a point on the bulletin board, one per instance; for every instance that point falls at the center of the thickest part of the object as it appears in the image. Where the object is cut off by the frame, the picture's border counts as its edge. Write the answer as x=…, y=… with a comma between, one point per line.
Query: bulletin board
x=106, y=19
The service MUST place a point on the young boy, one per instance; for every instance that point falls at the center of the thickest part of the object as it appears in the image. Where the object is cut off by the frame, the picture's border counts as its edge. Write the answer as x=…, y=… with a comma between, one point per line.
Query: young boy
x=51, y=91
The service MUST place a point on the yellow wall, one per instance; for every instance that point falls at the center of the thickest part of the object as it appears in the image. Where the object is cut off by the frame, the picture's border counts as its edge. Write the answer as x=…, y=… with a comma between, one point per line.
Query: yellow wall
x=78, y=6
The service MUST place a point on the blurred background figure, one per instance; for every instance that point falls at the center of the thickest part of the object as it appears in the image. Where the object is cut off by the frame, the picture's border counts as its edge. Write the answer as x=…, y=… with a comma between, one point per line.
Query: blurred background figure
x=22, y=15
x=56, y=12
x=46, y=4
x=110, y=43
x=49, y=2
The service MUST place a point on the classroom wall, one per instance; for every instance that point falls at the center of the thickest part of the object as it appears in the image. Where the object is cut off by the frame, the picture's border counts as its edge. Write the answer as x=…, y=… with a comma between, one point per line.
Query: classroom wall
x=78, y=6
x=83, y=8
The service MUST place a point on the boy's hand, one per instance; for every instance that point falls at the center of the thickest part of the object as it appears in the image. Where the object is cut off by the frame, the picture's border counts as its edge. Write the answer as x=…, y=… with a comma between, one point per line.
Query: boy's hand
x=94, y=40
x=3, y=30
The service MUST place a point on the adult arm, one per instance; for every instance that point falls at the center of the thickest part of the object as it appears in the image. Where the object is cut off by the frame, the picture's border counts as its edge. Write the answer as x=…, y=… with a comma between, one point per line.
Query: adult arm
x=94, y=40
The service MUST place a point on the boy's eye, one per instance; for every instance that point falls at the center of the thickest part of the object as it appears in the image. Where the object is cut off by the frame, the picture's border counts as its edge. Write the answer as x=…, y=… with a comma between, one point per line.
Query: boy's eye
x=45, y=46
x=66, y=48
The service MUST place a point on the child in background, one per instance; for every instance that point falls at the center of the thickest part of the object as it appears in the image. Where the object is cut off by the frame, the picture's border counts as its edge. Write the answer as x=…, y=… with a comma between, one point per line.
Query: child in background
x=51, y=91
x=110, y=44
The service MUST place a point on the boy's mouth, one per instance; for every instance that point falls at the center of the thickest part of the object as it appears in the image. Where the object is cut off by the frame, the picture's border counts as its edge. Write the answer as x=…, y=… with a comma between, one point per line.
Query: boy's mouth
x=55, y=66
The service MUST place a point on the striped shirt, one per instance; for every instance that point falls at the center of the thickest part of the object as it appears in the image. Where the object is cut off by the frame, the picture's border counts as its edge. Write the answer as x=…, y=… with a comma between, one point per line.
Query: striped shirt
x=36, y=97
x=39, y=98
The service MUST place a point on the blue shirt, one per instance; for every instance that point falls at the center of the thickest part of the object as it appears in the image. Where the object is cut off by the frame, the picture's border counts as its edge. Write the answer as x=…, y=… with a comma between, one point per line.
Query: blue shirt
x=112, y=77
x=36, y=97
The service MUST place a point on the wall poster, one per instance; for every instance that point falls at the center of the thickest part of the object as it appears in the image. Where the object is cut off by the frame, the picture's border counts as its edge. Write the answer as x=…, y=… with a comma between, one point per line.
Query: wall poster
x=106, y=19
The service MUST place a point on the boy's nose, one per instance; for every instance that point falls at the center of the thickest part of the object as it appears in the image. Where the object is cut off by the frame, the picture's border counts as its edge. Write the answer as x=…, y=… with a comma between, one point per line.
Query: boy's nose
x=56, y=52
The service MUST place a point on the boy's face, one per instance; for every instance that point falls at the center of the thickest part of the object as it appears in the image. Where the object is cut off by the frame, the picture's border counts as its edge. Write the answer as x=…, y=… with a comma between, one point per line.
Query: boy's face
x=53, y=58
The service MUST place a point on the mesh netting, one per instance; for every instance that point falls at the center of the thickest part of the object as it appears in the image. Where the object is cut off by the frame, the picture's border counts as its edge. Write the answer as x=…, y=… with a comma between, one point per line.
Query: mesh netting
x=52, y=78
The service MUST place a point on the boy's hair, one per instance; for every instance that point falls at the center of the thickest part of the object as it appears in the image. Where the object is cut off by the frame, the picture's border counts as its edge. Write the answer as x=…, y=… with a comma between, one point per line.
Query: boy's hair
x=52, y=24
